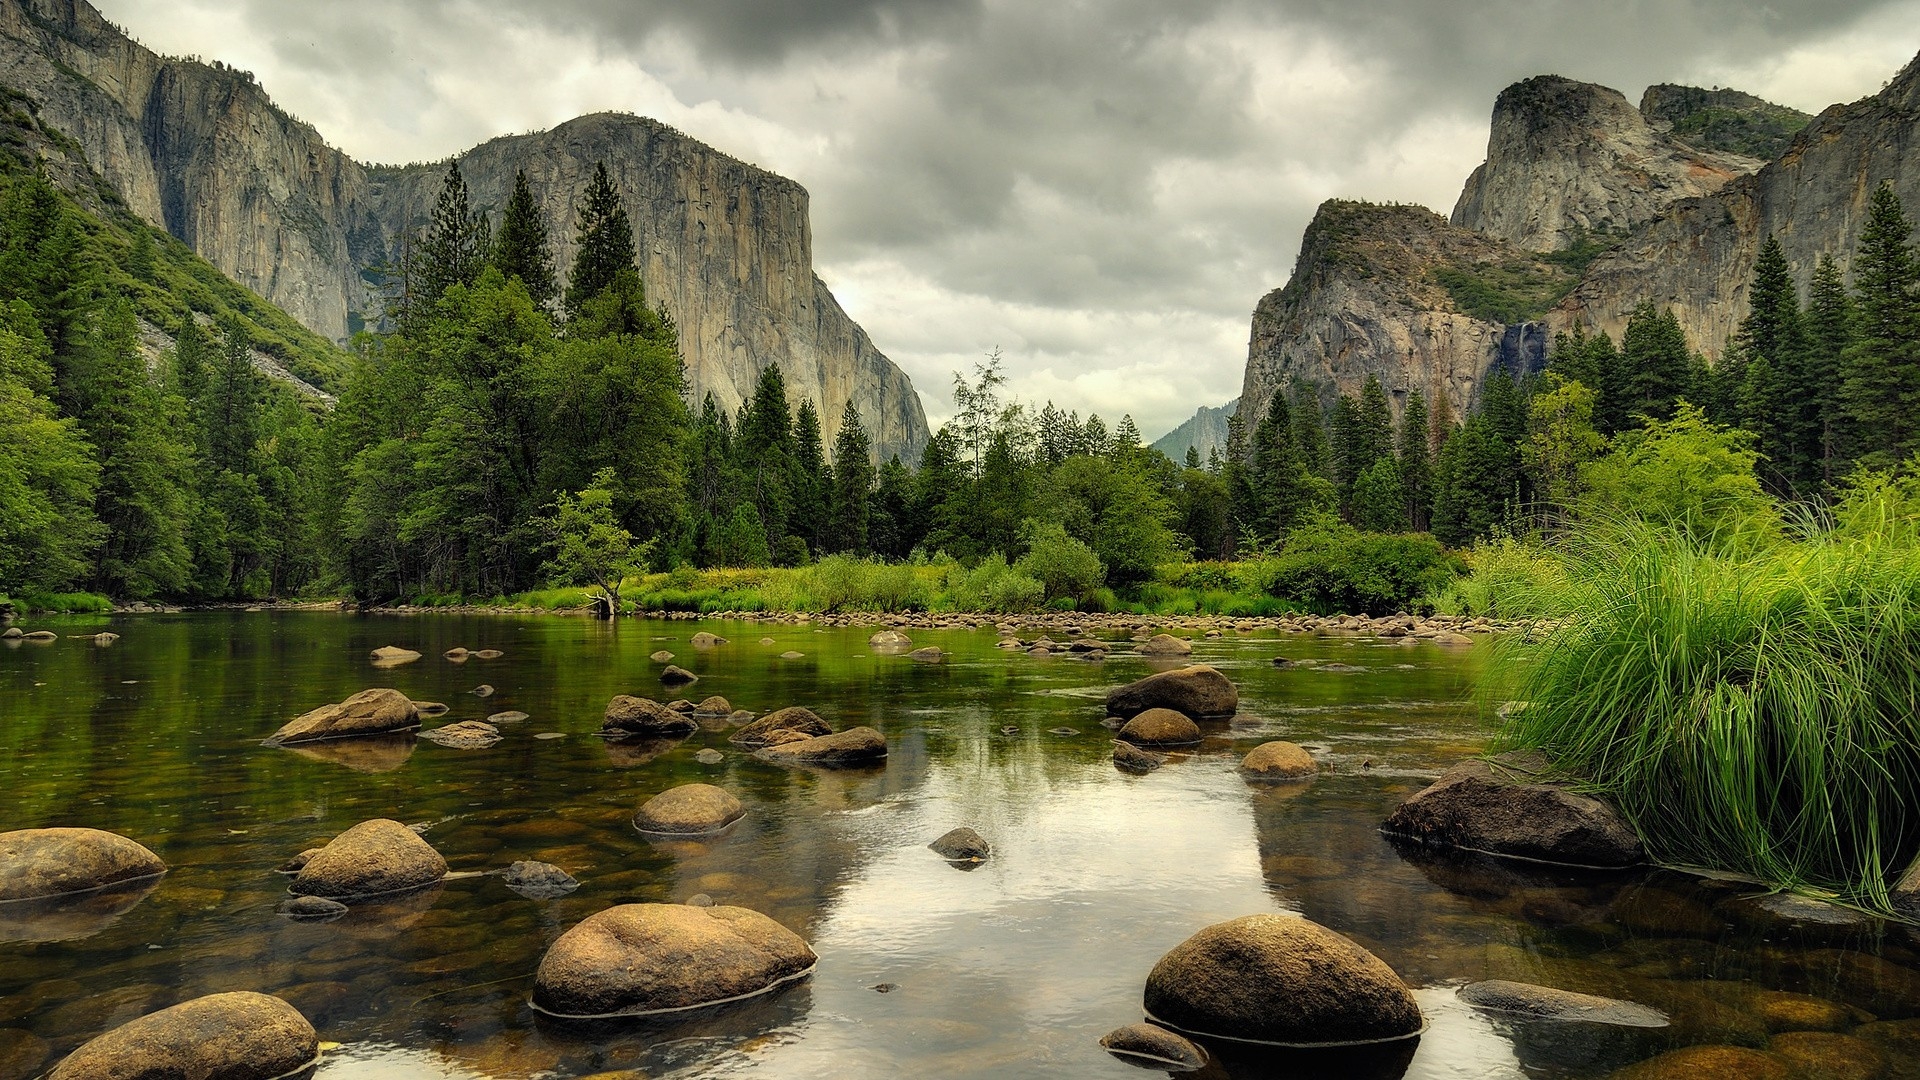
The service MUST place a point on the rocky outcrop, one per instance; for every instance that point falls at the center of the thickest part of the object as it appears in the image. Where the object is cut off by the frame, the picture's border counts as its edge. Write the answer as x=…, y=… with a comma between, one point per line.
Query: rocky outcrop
x=1198, y=691
x=649, y=959
x=794, y=719
x=38, y=863
x=201, y=150
x=846, y=749
x=1729, y=121
x=1205, y=432
x=1570, y=160
x=239, y=1036
x=369, y=712
x=629, y=715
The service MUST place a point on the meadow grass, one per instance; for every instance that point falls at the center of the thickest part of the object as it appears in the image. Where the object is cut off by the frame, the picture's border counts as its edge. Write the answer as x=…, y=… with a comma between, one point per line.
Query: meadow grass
x=1748, y=707
x=59, y=603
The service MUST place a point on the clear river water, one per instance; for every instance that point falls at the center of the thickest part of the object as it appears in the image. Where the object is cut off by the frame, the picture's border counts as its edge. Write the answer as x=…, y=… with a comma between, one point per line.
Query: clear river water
x=1015, y=968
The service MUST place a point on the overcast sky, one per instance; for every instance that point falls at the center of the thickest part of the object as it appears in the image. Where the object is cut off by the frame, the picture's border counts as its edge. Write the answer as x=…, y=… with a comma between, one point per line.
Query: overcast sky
x=1103, y=189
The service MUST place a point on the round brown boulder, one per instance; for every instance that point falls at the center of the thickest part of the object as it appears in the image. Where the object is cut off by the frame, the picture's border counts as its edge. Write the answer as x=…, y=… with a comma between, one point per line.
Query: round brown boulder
x=962, y=845
x=1199, y=691
x=1824, y=1055
x=1161, y=727
x=1165, y=645
x=240, y=1036
x=1492, y=809
x=465, y=735
x=38, y=863
x=643, y=716
x=704, y=640
x=661, y=657
x=369, y=712
x=393, y=656
x=1279, y=980
x=689, y=810
x=1279, y=761
x=798, y=719
x=1154, y=1047
x=674, y=675
x=890, y=639
x=371, y=859
x=713, y=706
x=645, y=959
x=854, y=746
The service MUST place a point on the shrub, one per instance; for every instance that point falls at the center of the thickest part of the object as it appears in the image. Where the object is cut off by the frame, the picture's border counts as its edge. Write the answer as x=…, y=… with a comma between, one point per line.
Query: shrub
x=993, y=587
x=844, y=583
x=58, y=603
x=1332, y=568
x=1510, y=579
x=1065, y=567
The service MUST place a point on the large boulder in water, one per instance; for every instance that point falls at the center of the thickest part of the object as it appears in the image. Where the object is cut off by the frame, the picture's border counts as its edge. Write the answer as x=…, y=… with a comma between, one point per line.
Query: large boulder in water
x=1279, y=760
x=37, y=863
x=854, y=746
x=799, y=719
x=643, y=716
x=1160, y=727
x=1500, y=810
x=1279, y=980
x=689, y=810
x=371, y=859
x=1199, y=691
x=239, y=1036
x=387, y=656
x=1165, y=645
x=369, y=712
x=645, y=959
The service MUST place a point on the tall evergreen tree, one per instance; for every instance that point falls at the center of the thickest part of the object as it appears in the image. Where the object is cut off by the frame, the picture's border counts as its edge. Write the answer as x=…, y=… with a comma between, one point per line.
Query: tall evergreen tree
x=1829, y=331
x=1656, y=366
x=48, y=474
x=764, y=452
x=520, y=248
x=605, y=242
x=1416, y=462
x=1309, y=429
x=1881, y=368
x=453, y=249
x=1374, y=434
x=1274, y=472
x=812, y=484
x=1772, y=397
x=853, y=476
x=890, y=519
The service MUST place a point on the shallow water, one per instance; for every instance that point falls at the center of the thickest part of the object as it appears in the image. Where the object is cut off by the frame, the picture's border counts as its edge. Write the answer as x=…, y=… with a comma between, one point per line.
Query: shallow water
x=1015, y=968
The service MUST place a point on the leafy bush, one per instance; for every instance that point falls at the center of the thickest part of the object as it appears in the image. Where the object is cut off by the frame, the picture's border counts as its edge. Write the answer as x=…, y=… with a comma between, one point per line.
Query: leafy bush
x=1510, y=579
x=993, y=587
x=844, y=583
x=1067, y=568
x=1332, y=568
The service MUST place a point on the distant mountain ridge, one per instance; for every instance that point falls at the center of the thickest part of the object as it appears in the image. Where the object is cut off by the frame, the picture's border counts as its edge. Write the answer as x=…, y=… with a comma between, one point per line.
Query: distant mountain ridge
x=201, y=150
x=1205, y=431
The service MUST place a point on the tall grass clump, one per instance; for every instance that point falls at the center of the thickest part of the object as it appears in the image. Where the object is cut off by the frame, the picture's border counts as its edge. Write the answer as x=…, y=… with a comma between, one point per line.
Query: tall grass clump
x=844, y=583
x=1509, y=579
x=1750, y=707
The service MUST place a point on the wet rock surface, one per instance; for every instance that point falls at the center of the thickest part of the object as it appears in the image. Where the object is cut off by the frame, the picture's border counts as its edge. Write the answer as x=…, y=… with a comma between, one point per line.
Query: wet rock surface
x=689, y=810
x=466, y=735
x=373, y=858
x=46, y=863
x=641, y=959
x=1134, y=759
x=1547, y=1003
x=1221, y=984
x=1154, y=1047
x=1279, y=761
x=538, y=880
x=1492, y=809
x=313, y=909
x=1198, y=691
x=1160, y=727
x=962, y=845
x=797, y=720
x=630, y=715
x=675, y=675
x=369, y=712
x=234, y=1036
x=853, y=747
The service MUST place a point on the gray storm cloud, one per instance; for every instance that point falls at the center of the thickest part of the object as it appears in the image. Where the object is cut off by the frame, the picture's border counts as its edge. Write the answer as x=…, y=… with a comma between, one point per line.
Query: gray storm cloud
x=1102, y=189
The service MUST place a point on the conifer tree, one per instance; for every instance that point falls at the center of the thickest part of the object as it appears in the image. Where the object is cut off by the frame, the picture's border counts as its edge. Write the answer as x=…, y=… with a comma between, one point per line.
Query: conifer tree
x=452, y=251
x=1344, y=446
x=1374, y=436
x=890, y=518
x=1771, y=398
x=1416, y=462
x=853, y=476
x=764, y=453
x=1380, y=498
x=1309, y=430
x=605, y=242
x=1881, y=368
x=520, y=249
x=1655, y=363
x=811, y=483
x=48, y=474
x=1829, y=330
x=1274, y=473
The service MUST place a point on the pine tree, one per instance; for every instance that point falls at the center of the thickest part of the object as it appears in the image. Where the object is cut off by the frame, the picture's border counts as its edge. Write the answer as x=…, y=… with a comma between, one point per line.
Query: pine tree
x=811, y=483
x=1655, y=363
x=233, y=404
x=1344, y=447
x=1274, y=472
x=890, y=518
x=1126, y=438
x=1829, y=330
x=1771, y=346
x=48, y=474
x=452, y=251
x=1094, y=437
x=1881, y=369
x=1416, y=462
x=1374, y=435
x=605, y=242
x=1309, y=429
x=853, y=475
x=1380, y=498
x=520, y=250
x=764, y=450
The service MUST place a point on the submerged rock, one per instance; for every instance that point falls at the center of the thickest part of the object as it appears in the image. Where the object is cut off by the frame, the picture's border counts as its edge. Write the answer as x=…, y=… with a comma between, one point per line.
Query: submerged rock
x=12, y=633
x=369, y=712
x=962, y=845
x=855, y=746
x=1547, y=1003
x=661, y=657
x=393, y=656
x=704, y=640
x=689, y=810
x=643, y=716
x=709, y=756
x=1154, y=1047
x=509, y=717
x=487, y=654
x=713, y=706
x=798, y=719
x=930, y=655
x=239, y=1036
x=647, y=959
x=538, y=880
x=432, y=708
x=1161, y=727
x=1712, y=1063
x=1279, y=761
x=1199, y=691
x=313, y=909
x=675, y=675
x=465, y=735
x=890, y=639
x=1479, y=806
x=1279, y=980
x=792, y=655
x=371, y=859
x=1133, y=759
x=39, y=863
x=1165, y=645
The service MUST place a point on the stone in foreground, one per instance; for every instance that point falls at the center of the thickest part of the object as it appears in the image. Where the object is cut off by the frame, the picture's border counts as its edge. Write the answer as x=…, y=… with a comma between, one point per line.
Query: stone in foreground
x=1488, y=808
x=239, y=1036
x=647, y=959
x=1712, y=1063
x=369, y=712
x=689, y=810
x=1160, y=727
x=1279, y=761
x=798, y=719
x=854, y=746
x=1154, y=1047
x=713, y=706
x=37, y=863
x=1198, y=690
x=1133, y=759
x=538, y=880
x=1165, y=645
x=963, y=845
x=371, y=859
x=1282, y=981
x=643, y=716
x=1546, y=1003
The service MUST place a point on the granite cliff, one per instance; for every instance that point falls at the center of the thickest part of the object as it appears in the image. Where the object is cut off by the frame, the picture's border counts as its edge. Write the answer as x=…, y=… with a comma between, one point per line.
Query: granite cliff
x=1205, y=431
x=201, y=150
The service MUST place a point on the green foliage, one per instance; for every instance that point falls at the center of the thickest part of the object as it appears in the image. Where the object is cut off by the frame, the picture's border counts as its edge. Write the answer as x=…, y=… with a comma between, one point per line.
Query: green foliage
x=1507, y=292
x=1330, y=567
x=1747, y=708
x=48, y=474
x=1686, y=474
x=604, y=246
x=520, y=248
x=1881, y=367
x=59, y=603
x=587, y=543
x=993, y=586
x=1067, y=568
x=1508, y=579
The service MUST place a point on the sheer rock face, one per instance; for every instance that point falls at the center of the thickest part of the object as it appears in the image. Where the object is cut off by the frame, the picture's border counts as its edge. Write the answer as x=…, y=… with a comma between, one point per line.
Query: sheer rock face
x=202, y=150
x=1570, y=159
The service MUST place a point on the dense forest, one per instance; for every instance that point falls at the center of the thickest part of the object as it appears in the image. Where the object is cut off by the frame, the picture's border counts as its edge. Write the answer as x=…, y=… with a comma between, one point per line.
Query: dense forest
x=503, y=407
